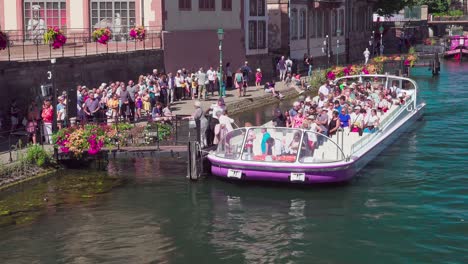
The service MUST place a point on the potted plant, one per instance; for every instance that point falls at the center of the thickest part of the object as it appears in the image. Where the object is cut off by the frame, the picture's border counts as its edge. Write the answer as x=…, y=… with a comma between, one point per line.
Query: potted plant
x=137, y=33
x=55, y=37
x=102, y=35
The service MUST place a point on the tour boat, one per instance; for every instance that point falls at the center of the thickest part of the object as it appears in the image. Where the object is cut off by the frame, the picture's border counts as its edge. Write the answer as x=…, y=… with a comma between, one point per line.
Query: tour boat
x=301, y=156
x=457, y=47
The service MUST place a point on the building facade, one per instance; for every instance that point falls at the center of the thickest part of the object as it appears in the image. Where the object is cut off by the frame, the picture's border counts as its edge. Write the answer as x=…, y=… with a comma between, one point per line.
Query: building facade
x=301, y=27
x=190, y=32
x=188, y=27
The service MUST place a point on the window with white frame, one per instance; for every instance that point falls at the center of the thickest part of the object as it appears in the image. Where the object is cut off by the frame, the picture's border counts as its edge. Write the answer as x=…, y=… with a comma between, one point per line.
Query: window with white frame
x=257, y=25
x=40, y=14
x=302, y=24
x=293, y=24
x=118, y=15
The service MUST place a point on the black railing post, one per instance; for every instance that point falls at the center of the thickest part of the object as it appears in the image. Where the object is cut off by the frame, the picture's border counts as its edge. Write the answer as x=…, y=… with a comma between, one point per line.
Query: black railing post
x=9, y=54
x=96, y=46
x=157, y=136
x=126, y=44
x=50, y=51
x=117, y=44
x=23, y=50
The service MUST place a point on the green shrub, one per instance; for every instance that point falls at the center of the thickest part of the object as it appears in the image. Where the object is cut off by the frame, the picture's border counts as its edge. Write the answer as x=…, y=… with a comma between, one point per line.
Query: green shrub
x=318, y=78
x=35, y=154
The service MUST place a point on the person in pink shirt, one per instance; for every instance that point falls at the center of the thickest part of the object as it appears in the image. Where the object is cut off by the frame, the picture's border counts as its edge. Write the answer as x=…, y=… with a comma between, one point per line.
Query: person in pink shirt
x=298, y=119
x=258, y=78
x=47, y=116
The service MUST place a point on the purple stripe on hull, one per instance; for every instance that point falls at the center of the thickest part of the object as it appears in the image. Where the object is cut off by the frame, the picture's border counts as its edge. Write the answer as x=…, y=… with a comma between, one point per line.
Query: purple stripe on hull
x=281, y=176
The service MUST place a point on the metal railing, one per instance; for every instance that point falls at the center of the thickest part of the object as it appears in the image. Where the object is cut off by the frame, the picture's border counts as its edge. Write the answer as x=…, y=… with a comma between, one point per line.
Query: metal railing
x=21, y=47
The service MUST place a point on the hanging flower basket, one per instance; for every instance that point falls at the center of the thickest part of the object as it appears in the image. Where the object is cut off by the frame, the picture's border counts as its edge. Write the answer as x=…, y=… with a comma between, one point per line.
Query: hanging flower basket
x=55, y=37
x=3, y=40
x=137, y=33
x=102, y=35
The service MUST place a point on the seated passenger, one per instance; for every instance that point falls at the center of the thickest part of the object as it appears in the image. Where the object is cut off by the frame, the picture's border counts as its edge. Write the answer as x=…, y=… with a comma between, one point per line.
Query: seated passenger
x=344, y=117
x=334, y=124
x=294, y=145
x=265, y=137
x=372, y=122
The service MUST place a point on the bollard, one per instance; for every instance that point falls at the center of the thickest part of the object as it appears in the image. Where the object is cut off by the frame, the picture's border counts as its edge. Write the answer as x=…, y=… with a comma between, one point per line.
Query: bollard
x=193, y=161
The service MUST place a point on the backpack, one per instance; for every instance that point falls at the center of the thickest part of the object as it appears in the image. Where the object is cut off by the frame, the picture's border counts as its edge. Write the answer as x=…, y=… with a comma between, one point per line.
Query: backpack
x=238, y=78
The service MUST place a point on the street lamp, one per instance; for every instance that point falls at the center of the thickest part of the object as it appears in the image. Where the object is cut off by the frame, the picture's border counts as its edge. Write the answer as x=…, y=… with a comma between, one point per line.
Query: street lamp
x=54, y=95
x=326, y=49
x=337, y=49
x=220, y=38
x=381, y=29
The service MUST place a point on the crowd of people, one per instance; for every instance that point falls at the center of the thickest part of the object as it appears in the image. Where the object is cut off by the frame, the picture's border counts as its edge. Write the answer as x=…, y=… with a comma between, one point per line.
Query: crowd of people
x=150, y=97
x=356, y=107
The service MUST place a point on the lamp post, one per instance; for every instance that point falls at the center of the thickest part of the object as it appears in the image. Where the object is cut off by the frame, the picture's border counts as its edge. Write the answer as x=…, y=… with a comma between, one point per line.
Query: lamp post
x=371, y=43
x=326, y=50
x=338, y=33
x=381, y=29
x=54, y=96
x=337, y=53
x=220, y=38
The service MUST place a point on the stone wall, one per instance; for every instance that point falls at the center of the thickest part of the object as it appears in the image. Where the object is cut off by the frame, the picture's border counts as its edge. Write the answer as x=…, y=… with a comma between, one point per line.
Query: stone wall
x=22, y=80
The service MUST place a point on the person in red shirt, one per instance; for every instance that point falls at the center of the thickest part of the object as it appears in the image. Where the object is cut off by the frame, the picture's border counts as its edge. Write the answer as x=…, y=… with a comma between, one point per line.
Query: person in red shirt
x=47, y=117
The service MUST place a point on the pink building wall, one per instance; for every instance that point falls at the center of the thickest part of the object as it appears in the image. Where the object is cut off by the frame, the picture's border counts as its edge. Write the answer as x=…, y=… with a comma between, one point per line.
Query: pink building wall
x=195, y=49
x=2, y=16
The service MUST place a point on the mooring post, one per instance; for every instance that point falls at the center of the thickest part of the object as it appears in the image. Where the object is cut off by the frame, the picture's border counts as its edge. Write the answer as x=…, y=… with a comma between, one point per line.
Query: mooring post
x=193, y=161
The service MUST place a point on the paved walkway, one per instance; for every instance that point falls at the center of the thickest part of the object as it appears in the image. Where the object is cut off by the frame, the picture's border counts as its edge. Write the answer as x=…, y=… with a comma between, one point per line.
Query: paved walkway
x=185, y=107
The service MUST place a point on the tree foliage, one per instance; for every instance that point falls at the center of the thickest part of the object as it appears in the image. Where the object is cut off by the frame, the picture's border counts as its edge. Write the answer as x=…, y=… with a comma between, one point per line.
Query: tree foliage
x=390, y=7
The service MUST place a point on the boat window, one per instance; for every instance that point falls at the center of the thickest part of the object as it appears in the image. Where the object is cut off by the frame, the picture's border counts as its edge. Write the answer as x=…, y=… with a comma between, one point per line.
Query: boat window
x=272, y=144
x=230, y=145
x=317, y=148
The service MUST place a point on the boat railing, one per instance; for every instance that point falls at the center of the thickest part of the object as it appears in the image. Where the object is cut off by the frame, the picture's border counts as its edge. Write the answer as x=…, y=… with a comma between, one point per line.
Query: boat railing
x=408, y=106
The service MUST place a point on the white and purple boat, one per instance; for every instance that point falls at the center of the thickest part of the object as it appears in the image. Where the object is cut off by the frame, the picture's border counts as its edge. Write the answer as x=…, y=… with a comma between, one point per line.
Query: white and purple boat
x=301, y=156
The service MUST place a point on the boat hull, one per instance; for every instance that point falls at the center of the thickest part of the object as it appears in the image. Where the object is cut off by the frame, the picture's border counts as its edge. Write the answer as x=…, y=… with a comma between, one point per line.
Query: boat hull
x=316, y=173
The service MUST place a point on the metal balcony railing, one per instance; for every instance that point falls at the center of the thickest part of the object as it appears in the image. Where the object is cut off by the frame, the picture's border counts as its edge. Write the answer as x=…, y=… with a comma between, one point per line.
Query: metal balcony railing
x=21, y=47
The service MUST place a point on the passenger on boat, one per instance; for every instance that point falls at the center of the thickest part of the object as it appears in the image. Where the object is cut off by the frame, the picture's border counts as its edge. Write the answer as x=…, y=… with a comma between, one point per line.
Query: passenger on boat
x=294, y=109
x=372, y=122
x=344, y=117
x=383, y=105
x=288, y=119
x=265, y=137
x=313, y=126
x=298, y=119
x=295, y=143
x=251, y=136
x=357, y=121
x=322, y=121
x=334, y=124
x=279, y=119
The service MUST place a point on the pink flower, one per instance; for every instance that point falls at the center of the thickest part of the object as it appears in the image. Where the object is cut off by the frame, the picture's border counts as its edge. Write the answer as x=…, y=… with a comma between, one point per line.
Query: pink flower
x=133, y=33
x=331, y=75
x=407, y=62
x=64, y=150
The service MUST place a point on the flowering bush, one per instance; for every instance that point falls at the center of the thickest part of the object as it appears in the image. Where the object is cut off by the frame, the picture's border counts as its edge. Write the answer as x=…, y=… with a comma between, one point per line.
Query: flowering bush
x=3, y=40
x=102, y=35
x=55, y=37
x=137, y=33
x=89, y=138
x=338, y=71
